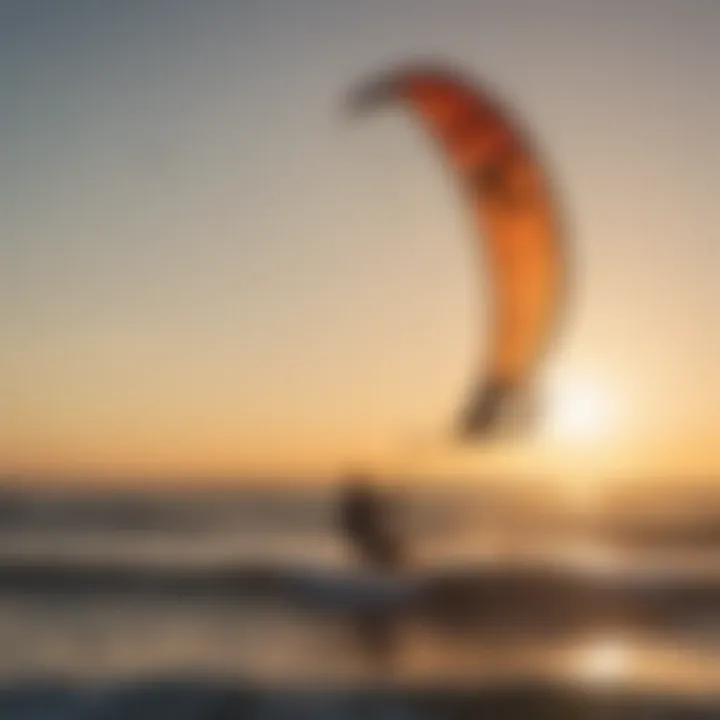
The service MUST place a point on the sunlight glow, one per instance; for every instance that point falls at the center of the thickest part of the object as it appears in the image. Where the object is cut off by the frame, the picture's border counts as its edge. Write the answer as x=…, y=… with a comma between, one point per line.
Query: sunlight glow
x=604, y=661
x=579, y=411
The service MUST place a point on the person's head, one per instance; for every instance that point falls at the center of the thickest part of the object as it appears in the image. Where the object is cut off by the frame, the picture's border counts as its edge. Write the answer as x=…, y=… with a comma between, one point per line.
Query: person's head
x=357, y=483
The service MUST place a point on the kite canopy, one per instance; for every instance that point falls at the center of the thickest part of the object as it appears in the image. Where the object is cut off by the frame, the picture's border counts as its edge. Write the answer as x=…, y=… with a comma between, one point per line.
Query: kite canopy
x=515, y=218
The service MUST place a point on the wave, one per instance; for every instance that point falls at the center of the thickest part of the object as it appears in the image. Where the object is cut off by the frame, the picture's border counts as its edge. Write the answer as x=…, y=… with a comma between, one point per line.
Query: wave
x=192, y=698
x=519, y=597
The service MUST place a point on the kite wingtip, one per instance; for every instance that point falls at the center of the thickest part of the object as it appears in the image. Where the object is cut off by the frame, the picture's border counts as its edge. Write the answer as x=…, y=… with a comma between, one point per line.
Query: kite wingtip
x=388, y=85
x=498, y=408
x=482, y=415
x=369, y=96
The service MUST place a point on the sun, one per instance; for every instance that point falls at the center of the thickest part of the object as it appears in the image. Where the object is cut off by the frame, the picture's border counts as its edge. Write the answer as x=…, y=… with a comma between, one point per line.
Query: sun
x=579, y=410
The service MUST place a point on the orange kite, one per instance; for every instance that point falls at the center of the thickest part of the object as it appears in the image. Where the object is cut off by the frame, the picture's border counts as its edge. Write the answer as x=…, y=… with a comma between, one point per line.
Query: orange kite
x=510, y=197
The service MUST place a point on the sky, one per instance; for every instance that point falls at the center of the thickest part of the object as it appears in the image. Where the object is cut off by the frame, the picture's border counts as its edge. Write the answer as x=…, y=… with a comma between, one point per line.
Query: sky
x=206, y=269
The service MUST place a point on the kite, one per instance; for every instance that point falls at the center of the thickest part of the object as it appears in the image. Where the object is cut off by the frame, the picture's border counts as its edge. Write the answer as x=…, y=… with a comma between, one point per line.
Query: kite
x=515, y=219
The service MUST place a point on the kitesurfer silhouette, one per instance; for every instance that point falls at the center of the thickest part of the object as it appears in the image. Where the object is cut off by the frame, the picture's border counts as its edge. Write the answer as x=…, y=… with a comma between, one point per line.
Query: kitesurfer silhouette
x=369, y=525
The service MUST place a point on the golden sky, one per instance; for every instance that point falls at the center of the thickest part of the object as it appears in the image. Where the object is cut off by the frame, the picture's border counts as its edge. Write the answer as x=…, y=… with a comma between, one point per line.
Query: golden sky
x=205, y=271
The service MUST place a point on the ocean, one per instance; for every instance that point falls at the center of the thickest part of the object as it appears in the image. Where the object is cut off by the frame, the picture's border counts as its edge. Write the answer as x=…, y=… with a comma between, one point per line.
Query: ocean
x=106, y=596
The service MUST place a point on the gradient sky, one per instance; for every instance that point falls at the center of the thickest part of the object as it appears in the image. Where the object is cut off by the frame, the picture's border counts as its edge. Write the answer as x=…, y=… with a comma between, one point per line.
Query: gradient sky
x=204, y=268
